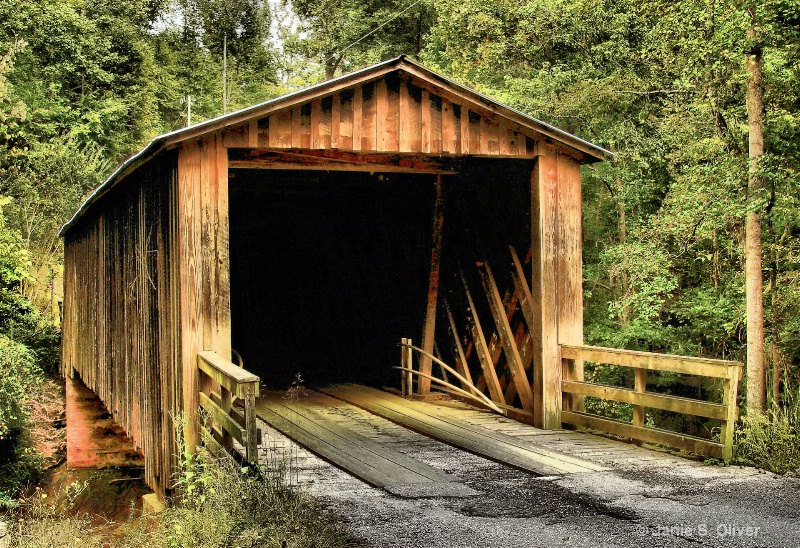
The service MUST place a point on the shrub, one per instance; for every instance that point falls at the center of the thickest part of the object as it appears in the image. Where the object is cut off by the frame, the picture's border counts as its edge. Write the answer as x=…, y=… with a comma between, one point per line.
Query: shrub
x=20, y=376
x=770, y=441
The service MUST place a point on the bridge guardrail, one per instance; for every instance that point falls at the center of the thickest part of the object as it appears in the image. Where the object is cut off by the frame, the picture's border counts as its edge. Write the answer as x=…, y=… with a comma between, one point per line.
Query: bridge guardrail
x=226, y=422
x=573, y=390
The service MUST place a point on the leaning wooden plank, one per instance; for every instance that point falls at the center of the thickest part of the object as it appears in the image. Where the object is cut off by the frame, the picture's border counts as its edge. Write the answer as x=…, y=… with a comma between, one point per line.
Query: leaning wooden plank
x=650, y=435
x=472, y=438
x=646, y=399
x=222, y=418
x=518, y=375
x=722, y=369
x=523, y=289
x=461, y=360
x=484, y=356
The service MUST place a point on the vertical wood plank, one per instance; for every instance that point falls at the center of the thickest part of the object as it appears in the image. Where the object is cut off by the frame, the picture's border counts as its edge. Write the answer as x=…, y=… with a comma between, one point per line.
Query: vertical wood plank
x=465, y=135
x=280, y=132
x=252, y=134
x=425, y=114
x=730, y=389
x=297, y=128
x=475, y=133
x=357, y=117
x=436, y=126
x=409, y=121
x=449, y=130
x=640, y=386
x=369, y=125
x=433, y=290
x=251, y=429
x=204, y=264
x=335, y=120
x=544, y=237
x=506, y=140
x=392, y=129
x=316, y=119
x=382, y=111
x=569, y=266
x=346, y=125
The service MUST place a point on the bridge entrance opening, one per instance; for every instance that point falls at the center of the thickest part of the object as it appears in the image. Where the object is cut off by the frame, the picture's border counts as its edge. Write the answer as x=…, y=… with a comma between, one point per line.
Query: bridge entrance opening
x=329, y=270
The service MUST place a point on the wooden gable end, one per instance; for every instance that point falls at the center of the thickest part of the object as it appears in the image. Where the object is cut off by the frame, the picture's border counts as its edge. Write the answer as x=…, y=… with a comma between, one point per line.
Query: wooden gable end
x=395, y=113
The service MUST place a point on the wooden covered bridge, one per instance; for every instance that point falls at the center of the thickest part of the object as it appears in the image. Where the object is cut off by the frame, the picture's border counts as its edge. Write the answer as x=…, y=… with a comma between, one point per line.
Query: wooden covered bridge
x=314, y=232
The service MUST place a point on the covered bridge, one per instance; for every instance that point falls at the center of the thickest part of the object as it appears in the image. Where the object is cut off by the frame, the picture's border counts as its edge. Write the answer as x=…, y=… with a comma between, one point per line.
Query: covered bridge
x=311, y=233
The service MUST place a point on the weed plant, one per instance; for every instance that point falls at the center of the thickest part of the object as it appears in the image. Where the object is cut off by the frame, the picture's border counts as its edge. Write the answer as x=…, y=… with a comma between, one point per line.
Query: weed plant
x=771, y=440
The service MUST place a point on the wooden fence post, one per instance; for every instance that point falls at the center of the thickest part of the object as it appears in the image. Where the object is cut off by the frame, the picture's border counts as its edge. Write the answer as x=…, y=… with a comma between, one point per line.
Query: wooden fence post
x=730, y=389
x=251, y=391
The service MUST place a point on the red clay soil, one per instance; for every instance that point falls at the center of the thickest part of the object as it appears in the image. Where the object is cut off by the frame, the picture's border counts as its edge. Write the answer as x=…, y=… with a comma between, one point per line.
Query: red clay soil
x=94, y=440
x=102, y=477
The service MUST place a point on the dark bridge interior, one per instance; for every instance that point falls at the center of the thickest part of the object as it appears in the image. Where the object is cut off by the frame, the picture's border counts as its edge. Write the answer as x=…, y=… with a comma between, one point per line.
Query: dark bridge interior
x=330, y=269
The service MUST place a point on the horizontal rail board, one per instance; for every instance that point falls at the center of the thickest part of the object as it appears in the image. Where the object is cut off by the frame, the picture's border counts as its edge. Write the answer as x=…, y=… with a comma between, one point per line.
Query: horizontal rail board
x=706, y=367
x=222, y=418
x=647, y=399
x=643, y=433
x=210, y=442
x=239, y=381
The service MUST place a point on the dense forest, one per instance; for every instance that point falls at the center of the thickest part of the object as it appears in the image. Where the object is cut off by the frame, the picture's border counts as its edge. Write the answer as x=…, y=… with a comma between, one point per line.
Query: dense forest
x=663, y=84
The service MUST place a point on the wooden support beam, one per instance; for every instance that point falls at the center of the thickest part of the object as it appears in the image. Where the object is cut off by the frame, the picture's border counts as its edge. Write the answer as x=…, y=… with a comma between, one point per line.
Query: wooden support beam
x=429, y=330
x=544, y=236
x=489, y=373
x=340, y=160
x=569, y=273
x=462, y=365
x=506, y=337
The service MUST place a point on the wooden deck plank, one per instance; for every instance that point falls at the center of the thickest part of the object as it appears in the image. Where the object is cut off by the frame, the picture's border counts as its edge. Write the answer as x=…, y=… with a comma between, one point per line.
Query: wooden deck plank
x=348, y=450
x=310, y=408
x=450, y=429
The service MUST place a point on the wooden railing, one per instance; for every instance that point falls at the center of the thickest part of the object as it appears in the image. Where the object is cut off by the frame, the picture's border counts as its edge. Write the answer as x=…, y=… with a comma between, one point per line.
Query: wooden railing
x=573, y=391
x=225, y=422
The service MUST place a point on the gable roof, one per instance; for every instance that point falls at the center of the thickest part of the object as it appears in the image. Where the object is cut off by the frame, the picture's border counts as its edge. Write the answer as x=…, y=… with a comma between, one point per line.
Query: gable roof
x=587, y=150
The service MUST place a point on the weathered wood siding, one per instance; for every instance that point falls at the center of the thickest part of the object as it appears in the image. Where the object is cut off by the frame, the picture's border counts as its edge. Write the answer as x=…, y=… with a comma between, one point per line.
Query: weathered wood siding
x=556, y=283
x=202, y=262
x=121, y=322
x=397, y=112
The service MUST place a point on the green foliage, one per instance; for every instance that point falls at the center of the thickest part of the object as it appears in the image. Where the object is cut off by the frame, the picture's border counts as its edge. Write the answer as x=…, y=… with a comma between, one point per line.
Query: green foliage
x=18, y=375
x=770, y=441
x=339, y=36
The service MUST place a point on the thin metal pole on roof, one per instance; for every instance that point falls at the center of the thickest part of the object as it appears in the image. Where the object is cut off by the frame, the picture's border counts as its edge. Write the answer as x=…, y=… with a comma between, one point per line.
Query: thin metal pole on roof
x=225, y=73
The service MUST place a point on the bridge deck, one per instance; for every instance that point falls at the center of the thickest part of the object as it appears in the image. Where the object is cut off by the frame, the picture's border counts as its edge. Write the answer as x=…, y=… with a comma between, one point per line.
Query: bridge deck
x=340, y=431
x=303, y=420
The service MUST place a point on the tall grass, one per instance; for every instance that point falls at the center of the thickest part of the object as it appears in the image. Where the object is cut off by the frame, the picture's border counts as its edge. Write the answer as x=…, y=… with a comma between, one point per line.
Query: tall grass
x=771, y=440
x=219, y=504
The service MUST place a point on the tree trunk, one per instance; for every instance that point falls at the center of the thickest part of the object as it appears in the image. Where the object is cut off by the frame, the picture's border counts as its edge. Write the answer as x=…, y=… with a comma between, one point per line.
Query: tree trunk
x=754, y=285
